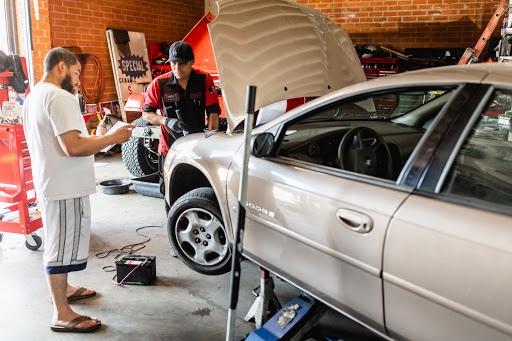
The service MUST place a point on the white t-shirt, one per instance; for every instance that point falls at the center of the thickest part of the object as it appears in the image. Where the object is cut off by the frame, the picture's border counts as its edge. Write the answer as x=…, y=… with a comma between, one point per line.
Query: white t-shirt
x=50, y=111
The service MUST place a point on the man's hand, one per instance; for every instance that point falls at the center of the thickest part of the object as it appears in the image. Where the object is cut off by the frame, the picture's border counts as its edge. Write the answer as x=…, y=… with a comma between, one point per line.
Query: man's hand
x=178, y=126
x=73, y=144
x=122, y=134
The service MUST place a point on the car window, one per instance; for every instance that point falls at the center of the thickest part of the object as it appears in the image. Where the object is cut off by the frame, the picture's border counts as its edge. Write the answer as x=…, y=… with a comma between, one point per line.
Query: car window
x=482, y=171
x=372, y=135
x=387, y=106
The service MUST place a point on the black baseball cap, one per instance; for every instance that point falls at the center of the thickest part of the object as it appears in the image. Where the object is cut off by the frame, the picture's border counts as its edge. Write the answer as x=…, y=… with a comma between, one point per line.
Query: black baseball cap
x=180, y=52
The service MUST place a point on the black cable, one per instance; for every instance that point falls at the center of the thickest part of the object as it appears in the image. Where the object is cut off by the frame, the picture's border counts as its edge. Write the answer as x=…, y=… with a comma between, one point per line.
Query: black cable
x=125, y=250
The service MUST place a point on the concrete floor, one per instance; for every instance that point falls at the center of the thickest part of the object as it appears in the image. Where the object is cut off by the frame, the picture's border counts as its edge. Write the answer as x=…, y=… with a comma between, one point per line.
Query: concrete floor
x=183, y=305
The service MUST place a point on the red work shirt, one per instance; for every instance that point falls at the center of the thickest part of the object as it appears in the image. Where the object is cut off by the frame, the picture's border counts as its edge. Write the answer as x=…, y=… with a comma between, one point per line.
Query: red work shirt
x=166, y=94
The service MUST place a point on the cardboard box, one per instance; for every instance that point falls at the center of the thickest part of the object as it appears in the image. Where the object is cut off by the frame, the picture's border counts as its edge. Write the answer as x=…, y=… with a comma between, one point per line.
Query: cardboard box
x=11, y=113
x=91, y=108
x=504, y=119
x=14, y=96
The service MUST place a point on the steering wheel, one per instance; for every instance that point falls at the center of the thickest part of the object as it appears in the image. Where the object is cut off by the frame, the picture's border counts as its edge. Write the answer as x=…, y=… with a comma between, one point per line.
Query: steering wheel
x=363, y=150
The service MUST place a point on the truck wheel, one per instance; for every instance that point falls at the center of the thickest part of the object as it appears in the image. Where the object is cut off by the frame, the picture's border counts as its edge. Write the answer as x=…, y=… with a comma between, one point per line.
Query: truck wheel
x=197, y=234
x=137, y=159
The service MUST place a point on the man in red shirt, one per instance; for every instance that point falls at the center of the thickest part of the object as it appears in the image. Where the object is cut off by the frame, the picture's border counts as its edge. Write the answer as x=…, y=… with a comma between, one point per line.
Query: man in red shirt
x=181, y=97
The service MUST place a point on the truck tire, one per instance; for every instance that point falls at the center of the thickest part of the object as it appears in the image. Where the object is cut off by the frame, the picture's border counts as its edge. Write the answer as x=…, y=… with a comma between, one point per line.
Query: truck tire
x=196, y=232
x=137, y=159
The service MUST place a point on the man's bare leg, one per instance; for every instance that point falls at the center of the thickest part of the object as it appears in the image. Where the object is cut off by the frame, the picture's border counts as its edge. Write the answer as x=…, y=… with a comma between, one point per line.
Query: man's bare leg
x=62, y=312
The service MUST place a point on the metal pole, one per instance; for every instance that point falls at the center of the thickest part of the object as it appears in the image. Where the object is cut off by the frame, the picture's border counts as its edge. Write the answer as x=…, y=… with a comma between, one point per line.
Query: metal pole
x=12, y=34
x=242, y=195
x=29, y=42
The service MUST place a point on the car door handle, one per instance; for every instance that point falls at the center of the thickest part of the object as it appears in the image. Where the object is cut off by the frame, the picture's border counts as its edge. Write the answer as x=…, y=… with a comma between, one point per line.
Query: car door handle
x=355, y=221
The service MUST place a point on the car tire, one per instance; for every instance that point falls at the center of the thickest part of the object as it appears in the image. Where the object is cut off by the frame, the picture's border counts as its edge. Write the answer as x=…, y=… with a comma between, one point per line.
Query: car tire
x=137, y=159
x=196, y=232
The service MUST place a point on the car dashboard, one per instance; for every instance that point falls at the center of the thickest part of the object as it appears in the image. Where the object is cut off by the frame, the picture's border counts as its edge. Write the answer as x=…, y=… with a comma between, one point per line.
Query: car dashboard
x=319, y=143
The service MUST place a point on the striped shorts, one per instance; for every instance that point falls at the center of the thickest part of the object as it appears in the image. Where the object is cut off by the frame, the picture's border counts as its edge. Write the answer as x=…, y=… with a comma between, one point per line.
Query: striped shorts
x=67, y=225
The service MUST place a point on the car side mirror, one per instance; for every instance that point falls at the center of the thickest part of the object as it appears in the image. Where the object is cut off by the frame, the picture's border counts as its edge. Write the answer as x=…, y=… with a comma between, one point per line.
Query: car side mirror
x=263, y=145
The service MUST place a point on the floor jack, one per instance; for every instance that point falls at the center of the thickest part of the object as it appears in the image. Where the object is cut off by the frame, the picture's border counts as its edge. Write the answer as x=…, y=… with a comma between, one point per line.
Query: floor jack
x=293, y=322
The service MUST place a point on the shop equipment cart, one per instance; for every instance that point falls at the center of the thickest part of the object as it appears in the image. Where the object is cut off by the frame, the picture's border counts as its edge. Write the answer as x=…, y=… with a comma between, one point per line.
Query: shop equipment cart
x=16, y=186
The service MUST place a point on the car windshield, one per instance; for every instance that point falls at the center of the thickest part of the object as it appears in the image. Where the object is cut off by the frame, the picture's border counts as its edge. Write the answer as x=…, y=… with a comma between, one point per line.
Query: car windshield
x=383, y=107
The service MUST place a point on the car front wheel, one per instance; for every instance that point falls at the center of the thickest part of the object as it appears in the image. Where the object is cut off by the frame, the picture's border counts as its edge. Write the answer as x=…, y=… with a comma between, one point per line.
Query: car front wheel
x=197, y=234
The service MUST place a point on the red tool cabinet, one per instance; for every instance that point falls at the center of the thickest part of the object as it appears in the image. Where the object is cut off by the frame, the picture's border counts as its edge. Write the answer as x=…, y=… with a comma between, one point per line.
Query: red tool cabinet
x=379, y=67
x=15, y=184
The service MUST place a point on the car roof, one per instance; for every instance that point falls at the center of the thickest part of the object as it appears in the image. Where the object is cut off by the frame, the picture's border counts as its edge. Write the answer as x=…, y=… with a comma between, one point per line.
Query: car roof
x=473, y=73
x=487, y=73
x=495, y=73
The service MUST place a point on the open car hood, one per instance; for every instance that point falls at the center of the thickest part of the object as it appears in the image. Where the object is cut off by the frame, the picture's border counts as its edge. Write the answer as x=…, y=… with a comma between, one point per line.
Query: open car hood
x=286, y=49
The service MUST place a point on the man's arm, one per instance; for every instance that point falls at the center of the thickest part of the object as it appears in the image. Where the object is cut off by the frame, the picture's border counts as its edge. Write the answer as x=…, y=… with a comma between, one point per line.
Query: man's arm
x=75, y=145
x=154, y=118
x=213, y=121
x=212, y=104
x=152, y=103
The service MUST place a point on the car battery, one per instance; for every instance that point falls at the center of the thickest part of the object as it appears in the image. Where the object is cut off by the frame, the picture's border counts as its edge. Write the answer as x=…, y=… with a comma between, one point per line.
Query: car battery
x=136, y=269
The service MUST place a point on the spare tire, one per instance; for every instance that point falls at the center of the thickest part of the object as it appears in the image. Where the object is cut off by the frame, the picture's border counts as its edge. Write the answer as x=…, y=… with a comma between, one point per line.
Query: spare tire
x=137, y=159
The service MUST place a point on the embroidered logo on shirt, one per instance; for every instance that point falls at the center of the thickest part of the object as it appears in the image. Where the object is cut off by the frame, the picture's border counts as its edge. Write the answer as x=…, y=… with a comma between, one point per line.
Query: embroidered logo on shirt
x=171, y=97
x=195, y=95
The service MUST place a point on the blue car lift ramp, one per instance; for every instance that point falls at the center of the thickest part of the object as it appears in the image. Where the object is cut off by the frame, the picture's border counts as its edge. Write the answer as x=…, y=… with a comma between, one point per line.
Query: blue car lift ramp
x=292, y=322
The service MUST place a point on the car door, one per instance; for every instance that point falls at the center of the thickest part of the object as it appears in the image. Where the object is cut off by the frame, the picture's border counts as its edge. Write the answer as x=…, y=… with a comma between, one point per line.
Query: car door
x=448, y=249
x=318, y=226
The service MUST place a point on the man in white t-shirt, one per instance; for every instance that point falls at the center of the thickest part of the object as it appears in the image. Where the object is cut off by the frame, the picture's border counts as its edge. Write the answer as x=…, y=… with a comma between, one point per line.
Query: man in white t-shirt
x=62, y=155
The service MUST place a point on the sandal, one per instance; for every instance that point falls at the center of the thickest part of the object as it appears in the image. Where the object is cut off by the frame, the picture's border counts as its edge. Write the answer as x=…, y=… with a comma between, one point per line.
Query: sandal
x=77, y=295
x=70, y=327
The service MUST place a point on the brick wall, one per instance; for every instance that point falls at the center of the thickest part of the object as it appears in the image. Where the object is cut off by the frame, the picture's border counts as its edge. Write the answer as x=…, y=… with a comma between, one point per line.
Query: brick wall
x=398, y=24
x=403, y=24
x=20, y=27
x=83, y=22
x=40, y=35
